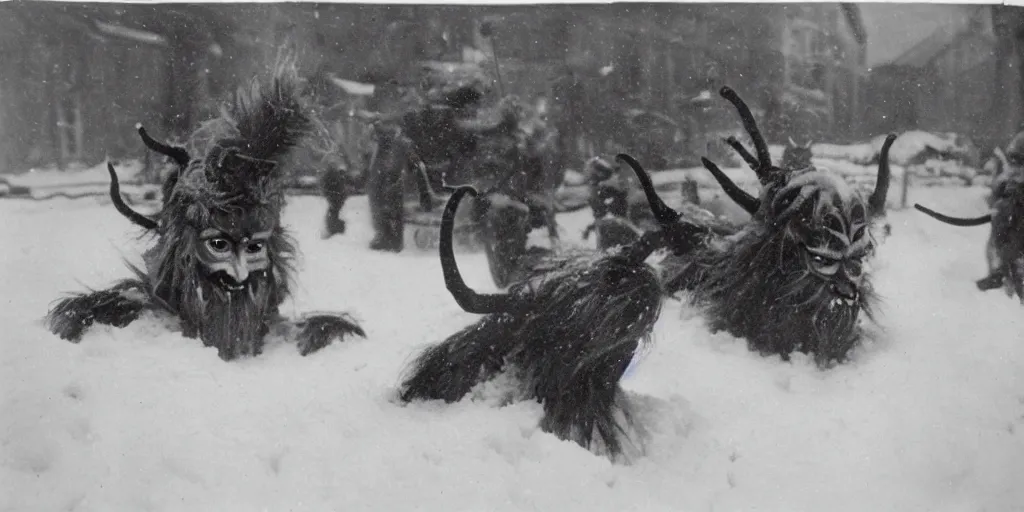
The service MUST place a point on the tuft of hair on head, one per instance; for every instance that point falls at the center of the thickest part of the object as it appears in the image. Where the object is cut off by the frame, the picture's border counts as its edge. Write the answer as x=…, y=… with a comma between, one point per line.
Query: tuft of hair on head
x=270, y=115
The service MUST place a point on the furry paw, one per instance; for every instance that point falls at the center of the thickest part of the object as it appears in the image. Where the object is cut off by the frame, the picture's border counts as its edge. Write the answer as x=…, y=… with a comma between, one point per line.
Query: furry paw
x=318, y=331
x=72, y=316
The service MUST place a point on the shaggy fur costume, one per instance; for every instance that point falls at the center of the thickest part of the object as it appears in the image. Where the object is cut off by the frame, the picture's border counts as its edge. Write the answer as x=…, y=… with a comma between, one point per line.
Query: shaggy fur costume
x=1006, y=243
x=793, y=279
x=237, y=189
x=568, y=332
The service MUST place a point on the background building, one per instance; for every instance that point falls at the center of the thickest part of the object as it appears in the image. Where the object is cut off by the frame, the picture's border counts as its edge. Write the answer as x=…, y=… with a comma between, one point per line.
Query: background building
x=78, y=76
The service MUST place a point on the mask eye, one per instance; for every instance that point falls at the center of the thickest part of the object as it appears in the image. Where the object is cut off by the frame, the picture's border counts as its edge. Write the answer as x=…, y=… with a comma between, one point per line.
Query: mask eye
x=218, y=245
x=823, y=265
x=821, y=260
x=255, y=247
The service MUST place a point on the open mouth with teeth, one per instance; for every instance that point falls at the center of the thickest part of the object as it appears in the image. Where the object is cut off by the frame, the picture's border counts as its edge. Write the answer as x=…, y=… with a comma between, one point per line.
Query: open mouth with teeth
x=842, y=302
x=228, y=284
x=844, y=294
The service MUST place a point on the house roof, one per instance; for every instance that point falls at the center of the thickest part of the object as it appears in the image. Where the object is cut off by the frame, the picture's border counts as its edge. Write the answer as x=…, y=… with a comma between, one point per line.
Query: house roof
x=919, y=55
x=924, y=52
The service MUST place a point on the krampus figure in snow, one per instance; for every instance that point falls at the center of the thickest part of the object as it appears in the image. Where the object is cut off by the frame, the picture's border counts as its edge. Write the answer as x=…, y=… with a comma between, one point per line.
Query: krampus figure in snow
x=794, y=278
x=568, y=331
x=1005, y=247
x=221, y=261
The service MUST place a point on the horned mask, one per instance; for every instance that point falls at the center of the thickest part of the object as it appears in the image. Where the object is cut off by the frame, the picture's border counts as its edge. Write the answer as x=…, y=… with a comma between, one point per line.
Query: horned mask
x=221, y=259
x=794, y=277
x=816, y=209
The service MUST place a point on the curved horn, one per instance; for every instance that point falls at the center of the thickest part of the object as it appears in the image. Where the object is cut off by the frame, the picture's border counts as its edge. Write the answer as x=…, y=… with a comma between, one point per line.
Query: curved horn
x=876, y=203
x=115, y=196
x=955, y=221
x=747, y=157
x=469, y=300
x=748, y=202
x=760, y=145
x=662, y=213
x=793, y=142
x=179, y=155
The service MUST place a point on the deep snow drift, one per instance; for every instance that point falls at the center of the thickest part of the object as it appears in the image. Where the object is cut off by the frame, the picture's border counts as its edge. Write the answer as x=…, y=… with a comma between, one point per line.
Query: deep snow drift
x=930, y=417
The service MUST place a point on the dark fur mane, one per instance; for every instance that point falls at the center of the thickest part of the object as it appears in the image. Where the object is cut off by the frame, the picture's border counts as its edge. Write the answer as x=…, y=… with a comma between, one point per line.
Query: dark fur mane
x=1008, y=232
x=568, y=331
x=755, y=286
x=265, y=119
x=793, y=278
x=569, y=350
x=237, y=187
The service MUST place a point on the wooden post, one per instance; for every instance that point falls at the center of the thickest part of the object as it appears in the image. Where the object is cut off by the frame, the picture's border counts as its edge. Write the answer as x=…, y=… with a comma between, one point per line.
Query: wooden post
x=906, y=186
x=78, y=128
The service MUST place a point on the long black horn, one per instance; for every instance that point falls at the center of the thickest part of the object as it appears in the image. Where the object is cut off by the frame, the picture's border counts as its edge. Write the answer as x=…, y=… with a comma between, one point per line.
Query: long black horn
x=760, y=145
x=469, y=300
x=876, y=203
x=748, y=202
x=179, y=155
x=747, y=157
x=955, y=221
x=662, y=213
x=132, y=215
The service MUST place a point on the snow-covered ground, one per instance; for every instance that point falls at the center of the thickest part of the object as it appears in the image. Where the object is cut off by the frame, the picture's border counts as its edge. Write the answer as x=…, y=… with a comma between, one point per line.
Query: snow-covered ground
x=929, y=417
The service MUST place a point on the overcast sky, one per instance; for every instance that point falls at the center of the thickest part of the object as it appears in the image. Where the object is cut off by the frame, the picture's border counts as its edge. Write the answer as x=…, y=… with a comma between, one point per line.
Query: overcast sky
x=895, y=28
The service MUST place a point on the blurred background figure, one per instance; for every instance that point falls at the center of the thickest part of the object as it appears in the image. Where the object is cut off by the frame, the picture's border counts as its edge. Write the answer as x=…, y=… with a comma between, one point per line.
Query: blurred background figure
x=336, y=187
